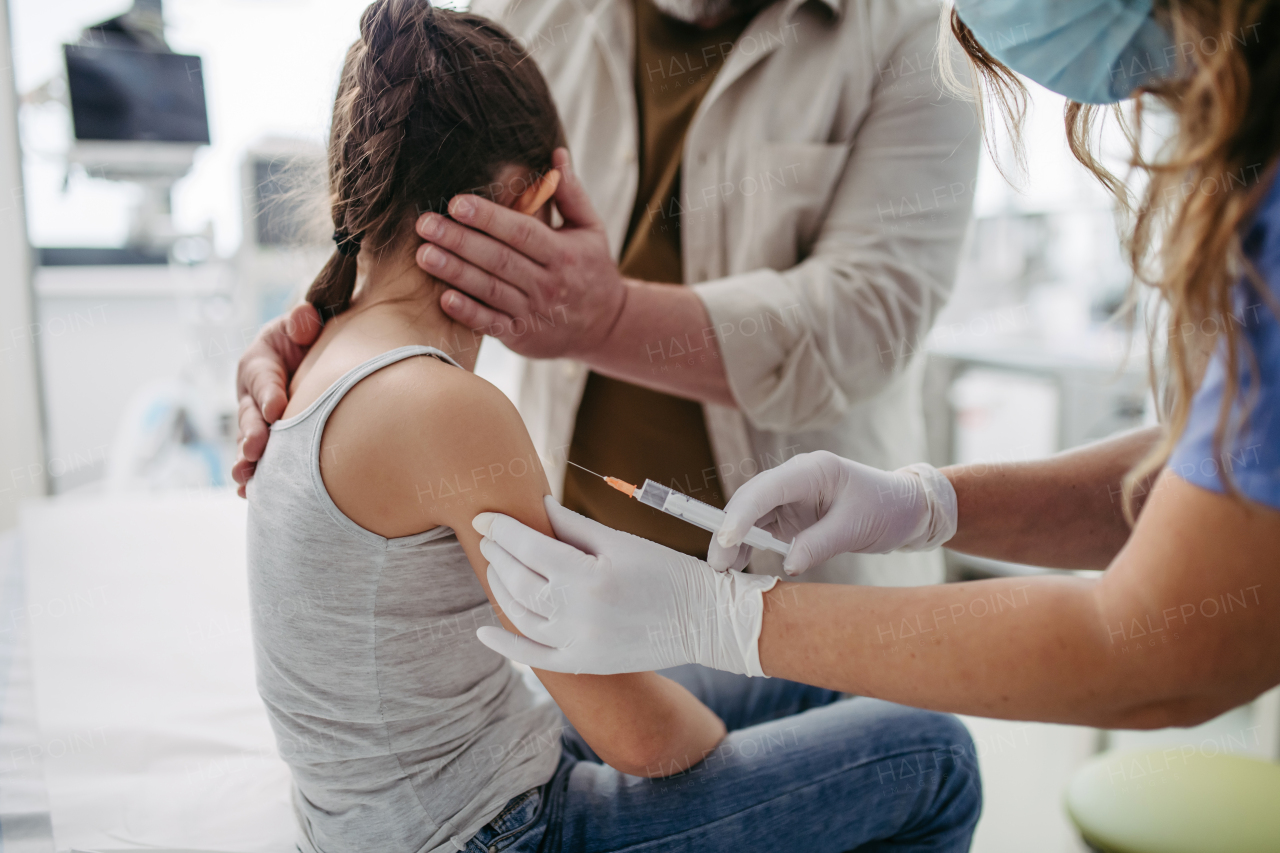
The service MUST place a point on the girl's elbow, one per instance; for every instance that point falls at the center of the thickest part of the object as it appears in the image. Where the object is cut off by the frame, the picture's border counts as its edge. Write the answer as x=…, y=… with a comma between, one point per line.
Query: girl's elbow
x=657, y=756
x=655, y=765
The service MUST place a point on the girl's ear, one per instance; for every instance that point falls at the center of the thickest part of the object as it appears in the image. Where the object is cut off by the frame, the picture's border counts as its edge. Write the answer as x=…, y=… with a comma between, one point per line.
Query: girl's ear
x=532, y=199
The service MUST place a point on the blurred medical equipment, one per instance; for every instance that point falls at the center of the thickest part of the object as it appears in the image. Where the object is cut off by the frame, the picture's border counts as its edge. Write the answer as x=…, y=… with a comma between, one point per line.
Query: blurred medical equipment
x=115, y=341
x=138, y=359
x=688, y=509
x=285, y=242
x=1025, y=361
x=138, y=343
x=169, y=437
x=139, y=115
x=1000, y=399
x=177, y=429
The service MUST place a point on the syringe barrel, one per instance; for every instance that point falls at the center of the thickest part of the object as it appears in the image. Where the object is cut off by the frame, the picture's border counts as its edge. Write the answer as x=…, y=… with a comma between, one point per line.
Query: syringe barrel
x=653, y=494
x=702, y=515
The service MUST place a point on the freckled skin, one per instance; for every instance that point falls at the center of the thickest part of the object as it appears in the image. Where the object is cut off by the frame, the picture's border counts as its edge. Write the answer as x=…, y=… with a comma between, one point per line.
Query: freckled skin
x=1197, y=572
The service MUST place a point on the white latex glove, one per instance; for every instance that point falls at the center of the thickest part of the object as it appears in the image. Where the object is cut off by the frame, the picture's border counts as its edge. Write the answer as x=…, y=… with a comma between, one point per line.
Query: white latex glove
x=600, y=601
x=832, y=505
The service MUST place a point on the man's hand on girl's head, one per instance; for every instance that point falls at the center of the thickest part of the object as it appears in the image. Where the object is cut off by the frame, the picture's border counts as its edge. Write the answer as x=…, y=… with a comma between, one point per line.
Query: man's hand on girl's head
x=262, y=383
x=542, y=291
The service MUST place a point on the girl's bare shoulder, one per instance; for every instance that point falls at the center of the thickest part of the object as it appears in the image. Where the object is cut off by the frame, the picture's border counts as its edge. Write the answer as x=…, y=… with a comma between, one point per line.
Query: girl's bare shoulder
x=422, y=442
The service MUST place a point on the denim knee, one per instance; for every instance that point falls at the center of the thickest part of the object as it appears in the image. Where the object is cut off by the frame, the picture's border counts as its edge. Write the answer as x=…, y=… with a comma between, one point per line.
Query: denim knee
x=951, y=734
x=956, y=755
x=946, y=758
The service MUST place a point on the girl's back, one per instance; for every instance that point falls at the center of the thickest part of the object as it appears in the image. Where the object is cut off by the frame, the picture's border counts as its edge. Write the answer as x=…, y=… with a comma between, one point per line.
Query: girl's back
x=403, y=732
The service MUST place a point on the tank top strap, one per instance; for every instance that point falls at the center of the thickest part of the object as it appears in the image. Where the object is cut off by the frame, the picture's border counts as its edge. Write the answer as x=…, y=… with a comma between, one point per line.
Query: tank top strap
x=317, y=415
x=329, y=400
x=321, y=407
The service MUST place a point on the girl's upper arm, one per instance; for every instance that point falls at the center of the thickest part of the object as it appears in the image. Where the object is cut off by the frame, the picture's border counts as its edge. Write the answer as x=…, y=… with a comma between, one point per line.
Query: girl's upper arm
x=485, y=462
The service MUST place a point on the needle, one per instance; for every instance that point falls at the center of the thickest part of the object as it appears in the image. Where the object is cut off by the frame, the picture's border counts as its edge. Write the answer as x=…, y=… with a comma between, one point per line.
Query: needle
x=588, y=470
x=621, y=485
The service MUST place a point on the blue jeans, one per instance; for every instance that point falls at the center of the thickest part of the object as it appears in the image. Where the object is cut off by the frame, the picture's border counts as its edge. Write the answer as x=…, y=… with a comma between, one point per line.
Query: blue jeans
x=801, y=769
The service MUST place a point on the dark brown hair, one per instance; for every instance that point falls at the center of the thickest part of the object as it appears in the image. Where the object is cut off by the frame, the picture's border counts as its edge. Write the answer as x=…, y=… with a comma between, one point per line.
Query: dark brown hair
x=1224, y=101
x=431, y=103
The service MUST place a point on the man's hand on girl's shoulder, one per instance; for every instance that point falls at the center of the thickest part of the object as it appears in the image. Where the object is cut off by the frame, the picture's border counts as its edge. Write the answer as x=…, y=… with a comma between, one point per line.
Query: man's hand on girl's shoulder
x=262, y=383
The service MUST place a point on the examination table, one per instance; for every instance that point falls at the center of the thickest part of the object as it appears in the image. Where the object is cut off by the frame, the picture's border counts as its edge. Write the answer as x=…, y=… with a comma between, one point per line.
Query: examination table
x=128, y=712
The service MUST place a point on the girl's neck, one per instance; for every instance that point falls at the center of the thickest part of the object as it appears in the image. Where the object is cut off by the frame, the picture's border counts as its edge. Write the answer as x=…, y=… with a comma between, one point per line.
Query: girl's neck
x=390, y=287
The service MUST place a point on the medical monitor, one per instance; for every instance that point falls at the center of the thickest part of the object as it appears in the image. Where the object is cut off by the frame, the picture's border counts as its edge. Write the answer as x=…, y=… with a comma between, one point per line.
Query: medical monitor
x=136, y=95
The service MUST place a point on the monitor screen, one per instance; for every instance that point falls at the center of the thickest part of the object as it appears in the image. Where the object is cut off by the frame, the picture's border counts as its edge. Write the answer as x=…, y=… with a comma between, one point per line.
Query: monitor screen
x=136, y=95
x=288, y=197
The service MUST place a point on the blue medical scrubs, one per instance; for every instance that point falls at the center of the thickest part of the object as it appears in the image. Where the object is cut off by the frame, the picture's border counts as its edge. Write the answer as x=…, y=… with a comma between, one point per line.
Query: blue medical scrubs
x=1250, y=455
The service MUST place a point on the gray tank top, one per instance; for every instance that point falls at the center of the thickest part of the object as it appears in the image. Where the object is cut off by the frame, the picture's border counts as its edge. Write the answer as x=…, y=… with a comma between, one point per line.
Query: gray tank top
x=403, y=732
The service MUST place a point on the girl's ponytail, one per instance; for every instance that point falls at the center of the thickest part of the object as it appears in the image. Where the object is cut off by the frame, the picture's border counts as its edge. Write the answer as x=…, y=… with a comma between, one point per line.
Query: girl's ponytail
x=431, y=103
x=331, y=292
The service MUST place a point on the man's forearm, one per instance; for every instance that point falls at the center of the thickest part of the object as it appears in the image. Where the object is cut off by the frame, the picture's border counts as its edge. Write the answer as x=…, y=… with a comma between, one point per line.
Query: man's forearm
x=1062, y=512
x=664, y=340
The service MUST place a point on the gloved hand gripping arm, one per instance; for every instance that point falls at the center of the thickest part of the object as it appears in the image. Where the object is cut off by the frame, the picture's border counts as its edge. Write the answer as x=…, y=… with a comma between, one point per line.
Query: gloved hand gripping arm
x=602, y=601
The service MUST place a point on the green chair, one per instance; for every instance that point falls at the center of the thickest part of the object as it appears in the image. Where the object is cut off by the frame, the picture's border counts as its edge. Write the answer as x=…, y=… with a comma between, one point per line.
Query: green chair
x=1176, y=800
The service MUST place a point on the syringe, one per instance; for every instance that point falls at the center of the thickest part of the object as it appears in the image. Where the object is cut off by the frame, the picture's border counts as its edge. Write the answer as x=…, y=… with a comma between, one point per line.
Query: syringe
x=689, y=509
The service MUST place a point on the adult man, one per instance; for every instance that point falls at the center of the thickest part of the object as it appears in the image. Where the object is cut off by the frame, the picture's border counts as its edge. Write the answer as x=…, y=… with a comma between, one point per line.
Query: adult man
x=793, y=163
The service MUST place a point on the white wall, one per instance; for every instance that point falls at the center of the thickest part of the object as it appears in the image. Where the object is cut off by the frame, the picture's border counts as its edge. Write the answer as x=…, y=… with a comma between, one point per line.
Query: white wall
x=21, y=456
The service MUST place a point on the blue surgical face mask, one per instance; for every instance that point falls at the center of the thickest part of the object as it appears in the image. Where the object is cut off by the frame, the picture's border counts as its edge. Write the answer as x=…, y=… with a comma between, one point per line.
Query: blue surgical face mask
x=1092, y=51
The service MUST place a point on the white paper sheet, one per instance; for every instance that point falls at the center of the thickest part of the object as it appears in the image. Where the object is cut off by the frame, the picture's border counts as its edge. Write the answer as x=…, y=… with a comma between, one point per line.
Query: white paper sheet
x=151, y=730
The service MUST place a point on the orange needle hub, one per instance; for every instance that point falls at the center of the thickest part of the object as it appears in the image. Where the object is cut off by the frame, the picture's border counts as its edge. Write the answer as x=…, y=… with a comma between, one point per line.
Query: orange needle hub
x=622, y=486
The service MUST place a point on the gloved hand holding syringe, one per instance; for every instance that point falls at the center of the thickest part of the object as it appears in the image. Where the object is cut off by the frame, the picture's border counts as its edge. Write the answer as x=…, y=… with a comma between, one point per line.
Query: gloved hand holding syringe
x=689, y=509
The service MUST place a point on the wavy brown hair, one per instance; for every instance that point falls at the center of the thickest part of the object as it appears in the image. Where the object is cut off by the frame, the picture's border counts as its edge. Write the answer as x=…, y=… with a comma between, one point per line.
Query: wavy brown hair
x=431, y=103
x=1184, y=228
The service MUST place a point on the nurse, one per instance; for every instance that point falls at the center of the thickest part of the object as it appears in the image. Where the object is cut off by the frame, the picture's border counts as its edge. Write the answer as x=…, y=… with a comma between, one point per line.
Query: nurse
x=1184, y=518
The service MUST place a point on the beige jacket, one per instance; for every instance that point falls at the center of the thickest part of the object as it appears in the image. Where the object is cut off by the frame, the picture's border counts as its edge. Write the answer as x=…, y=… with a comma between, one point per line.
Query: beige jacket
x=826, y=186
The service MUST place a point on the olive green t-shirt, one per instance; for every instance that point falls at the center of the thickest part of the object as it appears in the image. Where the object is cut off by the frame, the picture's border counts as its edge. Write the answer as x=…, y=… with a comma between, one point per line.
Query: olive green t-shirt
x=623, y=430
